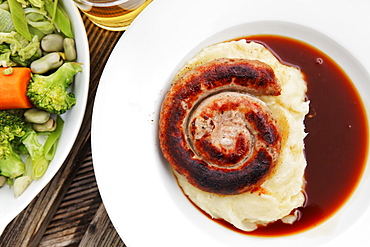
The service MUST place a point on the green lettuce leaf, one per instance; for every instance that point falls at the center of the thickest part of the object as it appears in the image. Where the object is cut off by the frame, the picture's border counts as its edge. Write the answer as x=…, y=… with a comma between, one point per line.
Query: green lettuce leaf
x=19, y=19
x=60, y=18
x=6, y=23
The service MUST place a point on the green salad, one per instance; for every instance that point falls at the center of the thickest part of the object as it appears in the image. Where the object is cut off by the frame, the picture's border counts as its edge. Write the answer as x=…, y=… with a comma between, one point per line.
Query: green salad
x=37, y=67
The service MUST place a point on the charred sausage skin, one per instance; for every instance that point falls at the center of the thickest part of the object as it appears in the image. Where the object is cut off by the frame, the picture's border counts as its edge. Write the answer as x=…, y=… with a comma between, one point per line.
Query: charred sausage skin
x=215, y=132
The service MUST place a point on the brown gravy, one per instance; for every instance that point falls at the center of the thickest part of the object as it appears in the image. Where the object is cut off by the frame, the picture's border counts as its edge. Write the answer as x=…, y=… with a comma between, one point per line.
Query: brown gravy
x=337, y=143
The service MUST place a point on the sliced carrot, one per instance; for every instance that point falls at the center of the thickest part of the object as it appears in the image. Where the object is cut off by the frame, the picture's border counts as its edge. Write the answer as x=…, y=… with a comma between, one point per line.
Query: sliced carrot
x=13, y=88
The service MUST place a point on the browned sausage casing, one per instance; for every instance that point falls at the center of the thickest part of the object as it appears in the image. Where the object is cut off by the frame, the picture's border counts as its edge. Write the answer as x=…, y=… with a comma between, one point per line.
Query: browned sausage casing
x=215, y=132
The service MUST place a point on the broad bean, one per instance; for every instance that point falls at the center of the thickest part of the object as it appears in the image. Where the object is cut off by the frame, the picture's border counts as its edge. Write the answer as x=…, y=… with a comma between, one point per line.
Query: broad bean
x=2, y=180
x=50, y=61
x=37, y=116
x=50, y=125
x=69, y=49
x=52, y=42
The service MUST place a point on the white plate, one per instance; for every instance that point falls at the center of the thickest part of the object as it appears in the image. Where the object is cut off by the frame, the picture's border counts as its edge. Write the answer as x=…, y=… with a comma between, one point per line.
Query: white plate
x=10, y=207
x=138, y=190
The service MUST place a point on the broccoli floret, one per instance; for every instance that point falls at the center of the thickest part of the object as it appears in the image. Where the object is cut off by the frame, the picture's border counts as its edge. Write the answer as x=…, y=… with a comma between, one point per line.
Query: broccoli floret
x=50, y=93
x=12, y=129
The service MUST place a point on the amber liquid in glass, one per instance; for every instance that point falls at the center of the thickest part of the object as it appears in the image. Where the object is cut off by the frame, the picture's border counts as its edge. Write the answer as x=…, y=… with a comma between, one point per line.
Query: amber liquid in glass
x=114, y=15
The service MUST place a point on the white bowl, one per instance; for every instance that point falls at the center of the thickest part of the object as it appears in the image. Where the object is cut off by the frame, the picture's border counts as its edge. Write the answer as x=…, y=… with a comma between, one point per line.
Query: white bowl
x=10, y=206
x=139, y=192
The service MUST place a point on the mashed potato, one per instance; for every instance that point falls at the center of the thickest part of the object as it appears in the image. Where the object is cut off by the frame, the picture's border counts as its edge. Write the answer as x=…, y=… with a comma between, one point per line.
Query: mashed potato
x=283, y=191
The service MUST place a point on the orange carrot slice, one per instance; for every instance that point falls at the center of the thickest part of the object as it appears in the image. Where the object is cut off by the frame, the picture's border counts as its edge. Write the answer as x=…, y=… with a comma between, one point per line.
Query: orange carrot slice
x=13, y=88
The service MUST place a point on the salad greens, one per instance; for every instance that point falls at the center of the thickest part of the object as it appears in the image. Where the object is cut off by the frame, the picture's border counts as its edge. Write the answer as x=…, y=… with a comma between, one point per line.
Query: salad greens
x=26, y=149
x=24, y=23
x=37, y=17
x=18, y=137
x=15, y=50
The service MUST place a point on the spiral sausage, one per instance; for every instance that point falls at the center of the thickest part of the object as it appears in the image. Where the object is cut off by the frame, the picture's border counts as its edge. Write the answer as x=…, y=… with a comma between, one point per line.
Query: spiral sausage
x=215, y=132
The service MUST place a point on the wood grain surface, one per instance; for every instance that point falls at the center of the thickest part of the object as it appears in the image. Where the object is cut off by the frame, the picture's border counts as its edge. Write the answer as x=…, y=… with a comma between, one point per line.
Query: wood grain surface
x=69, y=210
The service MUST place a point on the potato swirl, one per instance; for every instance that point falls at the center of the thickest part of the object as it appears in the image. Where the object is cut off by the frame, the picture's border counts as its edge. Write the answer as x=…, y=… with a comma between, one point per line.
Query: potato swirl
x=215, y=132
